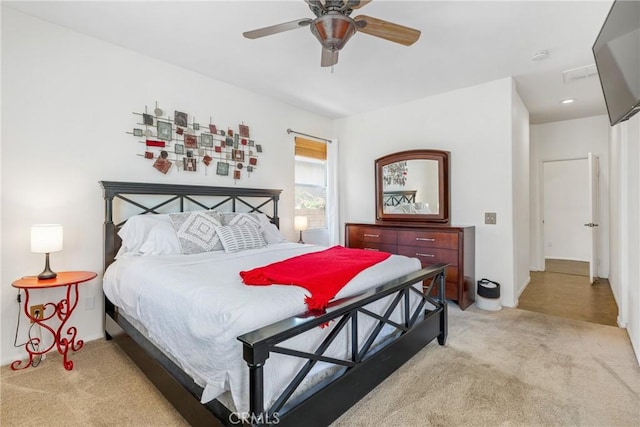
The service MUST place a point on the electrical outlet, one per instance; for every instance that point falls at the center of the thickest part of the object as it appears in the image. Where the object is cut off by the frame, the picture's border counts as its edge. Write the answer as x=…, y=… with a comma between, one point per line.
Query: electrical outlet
x=36, y=311
x=489, y=217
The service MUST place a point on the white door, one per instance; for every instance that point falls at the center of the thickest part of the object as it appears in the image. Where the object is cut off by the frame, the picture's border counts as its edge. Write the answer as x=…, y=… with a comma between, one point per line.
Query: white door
x=566, y=209
x=593, y=212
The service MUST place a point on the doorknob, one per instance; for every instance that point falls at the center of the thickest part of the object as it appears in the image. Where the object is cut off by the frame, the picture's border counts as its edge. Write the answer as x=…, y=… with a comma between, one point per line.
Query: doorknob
x=591, y=224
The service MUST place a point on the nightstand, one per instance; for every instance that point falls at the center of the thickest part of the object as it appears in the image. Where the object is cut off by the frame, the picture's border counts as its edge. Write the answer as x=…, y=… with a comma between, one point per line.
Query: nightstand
x=62, y=310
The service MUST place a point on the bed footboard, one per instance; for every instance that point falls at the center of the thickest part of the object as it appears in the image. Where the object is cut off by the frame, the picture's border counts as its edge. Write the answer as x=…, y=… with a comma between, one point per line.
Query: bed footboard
x=367, y=365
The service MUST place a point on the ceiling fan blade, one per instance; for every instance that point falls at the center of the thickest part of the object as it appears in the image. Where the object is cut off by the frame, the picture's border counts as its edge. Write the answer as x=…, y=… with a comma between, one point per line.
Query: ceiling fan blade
x=329, y=57
x=279, y=28
x=387, y=30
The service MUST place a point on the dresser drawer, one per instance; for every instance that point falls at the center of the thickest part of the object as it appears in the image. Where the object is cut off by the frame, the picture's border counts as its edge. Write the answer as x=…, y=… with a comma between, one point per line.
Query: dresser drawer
x=428, y=239
x=430, y=255
x=372, y=235
x=372, y=246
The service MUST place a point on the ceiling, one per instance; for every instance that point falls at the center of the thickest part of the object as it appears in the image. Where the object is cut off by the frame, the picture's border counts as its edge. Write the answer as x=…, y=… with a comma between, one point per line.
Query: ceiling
x=463, y=43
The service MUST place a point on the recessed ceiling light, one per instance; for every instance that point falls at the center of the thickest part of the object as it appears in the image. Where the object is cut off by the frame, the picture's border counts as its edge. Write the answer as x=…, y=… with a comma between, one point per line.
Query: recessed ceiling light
x=567, y=101
x=539, y=55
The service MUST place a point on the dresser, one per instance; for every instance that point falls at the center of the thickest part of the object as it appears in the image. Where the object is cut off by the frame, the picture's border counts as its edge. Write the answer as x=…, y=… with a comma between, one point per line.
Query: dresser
x=431, y=244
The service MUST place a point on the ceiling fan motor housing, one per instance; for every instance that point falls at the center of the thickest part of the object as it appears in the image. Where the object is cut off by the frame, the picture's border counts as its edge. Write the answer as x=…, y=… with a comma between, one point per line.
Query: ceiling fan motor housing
x=333, y=30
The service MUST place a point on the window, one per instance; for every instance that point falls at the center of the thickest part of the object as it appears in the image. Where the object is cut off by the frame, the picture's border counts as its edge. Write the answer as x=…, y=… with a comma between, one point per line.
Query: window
x=311, y=182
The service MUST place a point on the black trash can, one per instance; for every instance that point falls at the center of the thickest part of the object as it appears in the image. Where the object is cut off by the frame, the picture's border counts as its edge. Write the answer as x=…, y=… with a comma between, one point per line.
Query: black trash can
x=488, y=295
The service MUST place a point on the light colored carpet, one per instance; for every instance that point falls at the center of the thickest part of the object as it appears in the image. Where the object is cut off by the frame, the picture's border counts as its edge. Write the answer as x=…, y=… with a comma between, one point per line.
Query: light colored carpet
x=511, y=368
x=505, y=368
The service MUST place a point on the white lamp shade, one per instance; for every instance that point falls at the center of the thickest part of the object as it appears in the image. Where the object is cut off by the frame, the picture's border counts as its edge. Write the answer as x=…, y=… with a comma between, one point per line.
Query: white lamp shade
x=46, y=238
x=300, y=223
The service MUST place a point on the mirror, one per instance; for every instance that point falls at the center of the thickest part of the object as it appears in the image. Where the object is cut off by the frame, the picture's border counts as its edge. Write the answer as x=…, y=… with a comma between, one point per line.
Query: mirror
x=413, y=186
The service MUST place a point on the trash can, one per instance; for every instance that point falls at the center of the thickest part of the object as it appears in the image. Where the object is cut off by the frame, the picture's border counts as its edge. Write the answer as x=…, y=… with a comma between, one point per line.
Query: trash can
x=488, y=297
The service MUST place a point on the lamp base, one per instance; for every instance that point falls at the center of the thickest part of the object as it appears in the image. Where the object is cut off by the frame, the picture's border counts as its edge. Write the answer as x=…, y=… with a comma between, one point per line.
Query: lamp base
x=47, y=273
x=301, y=241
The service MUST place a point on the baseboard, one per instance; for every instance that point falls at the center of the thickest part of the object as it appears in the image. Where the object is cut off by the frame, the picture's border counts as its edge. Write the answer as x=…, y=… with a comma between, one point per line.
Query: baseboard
x=567, y=259
x=523, y=287
x=515, y=304
x=621, y=323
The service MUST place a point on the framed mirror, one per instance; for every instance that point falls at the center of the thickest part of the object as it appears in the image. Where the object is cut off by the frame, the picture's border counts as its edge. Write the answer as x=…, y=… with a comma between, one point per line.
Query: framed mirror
x=413, y=186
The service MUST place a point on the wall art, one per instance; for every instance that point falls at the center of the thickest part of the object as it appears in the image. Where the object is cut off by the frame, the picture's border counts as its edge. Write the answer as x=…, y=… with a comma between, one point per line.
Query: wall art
x=164, y=130
x=172, y=144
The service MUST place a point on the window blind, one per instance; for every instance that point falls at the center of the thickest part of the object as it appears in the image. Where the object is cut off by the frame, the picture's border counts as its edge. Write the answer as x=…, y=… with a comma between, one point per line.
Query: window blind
x=309, y=148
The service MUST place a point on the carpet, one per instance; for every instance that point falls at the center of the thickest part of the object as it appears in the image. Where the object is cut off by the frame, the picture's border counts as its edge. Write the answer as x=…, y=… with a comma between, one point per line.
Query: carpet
x=505, y=368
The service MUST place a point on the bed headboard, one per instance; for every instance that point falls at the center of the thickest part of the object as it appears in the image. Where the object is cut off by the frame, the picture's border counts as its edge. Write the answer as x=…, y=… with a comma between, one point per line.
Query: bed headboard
x=395, y=198
x=143, y=198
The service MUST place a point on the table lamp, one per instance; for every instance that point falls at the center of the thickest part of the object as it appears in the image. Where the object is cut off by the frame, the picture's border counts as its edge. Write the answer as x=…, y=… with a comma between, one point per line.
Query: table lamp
x=46, y=238
x=300, y=223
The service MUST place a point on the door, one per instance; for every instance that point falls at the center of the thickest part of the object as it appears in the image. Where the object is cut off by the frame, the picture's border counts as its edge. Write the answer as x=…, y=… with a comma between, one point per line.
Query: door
x=566, y=210
x=594, y=189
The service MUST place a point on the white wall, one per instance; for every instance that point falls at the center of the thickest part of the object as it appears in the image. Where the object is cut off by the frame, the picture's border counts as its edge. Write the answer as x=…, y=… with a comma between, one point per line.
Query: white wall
x=617, y=230
x=67, y=102
x=625, y=229
x=475, y=125
x=570, y=139
x=520, y=172
x=633, y=190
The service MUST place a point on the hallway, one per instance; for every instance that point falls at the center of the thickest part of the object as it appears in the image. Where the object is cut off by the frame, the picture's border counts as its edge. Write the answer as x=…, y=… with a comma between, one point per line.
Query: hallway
x=563, y=290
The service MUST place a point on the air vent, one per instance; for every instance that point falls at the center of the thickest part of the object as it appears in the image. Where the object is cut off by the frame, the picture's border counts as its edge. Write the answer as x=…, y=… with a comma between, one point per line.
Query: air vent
x=580, y=73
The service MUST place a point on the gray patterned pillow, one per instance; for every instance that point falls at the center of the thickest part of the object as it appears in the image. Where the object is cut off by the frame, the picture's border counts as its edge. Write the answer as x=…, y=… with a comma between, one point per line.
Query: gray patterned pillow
x=237, y=238
x=196, y=231
x=238, y=218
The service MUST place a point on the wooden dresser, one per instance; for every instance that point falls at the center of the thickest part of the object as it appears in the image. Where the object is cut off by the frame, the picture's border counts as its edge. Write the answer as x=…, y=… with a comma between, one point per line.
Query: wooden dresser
x=429, y=243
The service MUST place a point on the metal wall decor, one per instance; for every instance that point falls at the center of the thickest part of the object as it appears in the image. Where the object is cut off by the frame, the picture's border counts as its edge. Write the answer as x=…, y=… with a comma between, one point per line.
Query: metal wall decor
x=395, y=173
x=180, y=143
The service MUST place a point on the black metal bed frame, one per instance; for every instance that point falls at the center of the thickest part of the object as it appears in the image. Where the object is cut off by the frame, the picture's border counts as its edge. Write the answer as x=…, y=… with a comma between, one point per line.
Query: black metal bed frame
x=395, y=198
x=367, y=366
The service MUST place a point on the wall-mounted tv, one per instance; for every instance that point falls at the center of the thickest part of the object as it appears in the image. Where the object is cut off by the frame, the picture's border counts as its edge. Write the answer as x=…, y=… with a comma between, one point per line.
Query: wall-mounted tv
x=617, y=55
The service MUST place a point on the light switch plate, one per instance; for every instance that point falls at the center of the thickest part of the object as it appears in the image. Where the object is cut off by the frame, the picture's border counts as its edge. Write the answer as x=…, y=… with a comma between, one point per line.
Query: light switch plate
x=489, y=217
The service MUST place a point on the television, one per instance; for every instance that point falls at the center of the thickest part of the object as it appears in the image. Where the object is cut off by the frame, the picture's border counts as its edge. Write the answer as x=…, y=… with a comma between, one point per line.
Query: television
x=617, y=55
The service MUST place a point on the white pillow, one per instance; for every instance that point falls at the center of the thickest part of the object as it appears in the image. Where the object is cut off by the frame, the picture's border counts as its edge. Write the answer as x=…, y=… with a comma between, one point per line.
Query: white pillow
x=196, y=231
x=148, y=234
x=270, y=232
x=241, y=237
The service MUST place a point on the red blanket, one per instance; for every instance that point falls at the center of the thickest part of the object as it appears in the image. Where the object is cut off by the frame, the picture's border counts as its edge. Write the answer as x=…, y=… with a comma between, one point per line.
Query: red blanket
x=322, y=273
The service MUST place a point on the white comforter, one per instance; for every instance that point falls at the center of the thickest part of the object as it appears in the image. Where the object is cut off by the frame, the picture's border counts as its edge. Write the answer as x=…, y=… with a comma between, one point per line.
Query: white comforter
x=194, y=307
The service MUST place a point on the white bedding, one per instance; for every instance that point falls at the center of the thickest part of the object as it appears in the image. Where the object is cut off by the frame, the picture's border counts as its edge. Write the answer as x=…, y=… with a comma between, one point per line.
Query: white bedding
x=196, y=305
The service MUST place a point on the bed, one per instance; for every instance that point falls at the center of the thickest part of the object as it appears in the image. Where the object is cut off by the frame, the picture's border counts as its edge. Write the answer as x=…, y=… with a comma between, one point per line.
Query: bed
x=395, y=198
x=289, y=365
x=404, y=202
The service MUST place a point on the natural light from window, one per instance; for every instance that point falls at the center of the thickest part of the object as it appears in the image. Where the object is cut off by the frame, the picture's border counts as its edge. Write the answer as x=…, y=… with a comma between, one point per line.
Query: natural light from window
x=311, y=182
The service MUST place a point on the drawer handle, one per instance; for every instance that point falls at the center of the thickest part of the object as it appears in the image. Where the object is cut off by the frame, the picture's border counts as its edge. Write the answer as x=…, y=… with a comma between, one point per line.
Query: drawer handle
x=371, y=249
x=371, y=235
x=424, y=239
x=427, y=255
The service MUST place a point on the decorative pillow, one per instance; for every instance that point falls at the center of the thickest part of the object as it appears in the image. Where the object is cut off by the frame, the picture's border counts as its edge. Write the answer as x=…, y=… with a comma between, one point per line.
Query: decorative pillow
x=238, y=218
x=148, y=234
x=270, y=232
x=196, y=231
x=237, y=238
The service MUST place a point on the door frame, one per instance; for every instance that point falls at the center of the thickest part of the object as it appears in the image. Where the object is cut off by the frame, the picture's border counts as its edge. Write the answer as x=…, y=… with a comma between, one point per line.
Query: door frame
x=539, y=250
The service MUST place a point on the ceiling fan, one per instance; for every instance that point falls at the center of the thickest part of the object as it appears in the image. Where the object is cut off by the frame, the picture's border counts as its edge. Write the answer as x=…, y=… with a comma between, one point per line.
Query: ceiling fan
x=333, y=27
